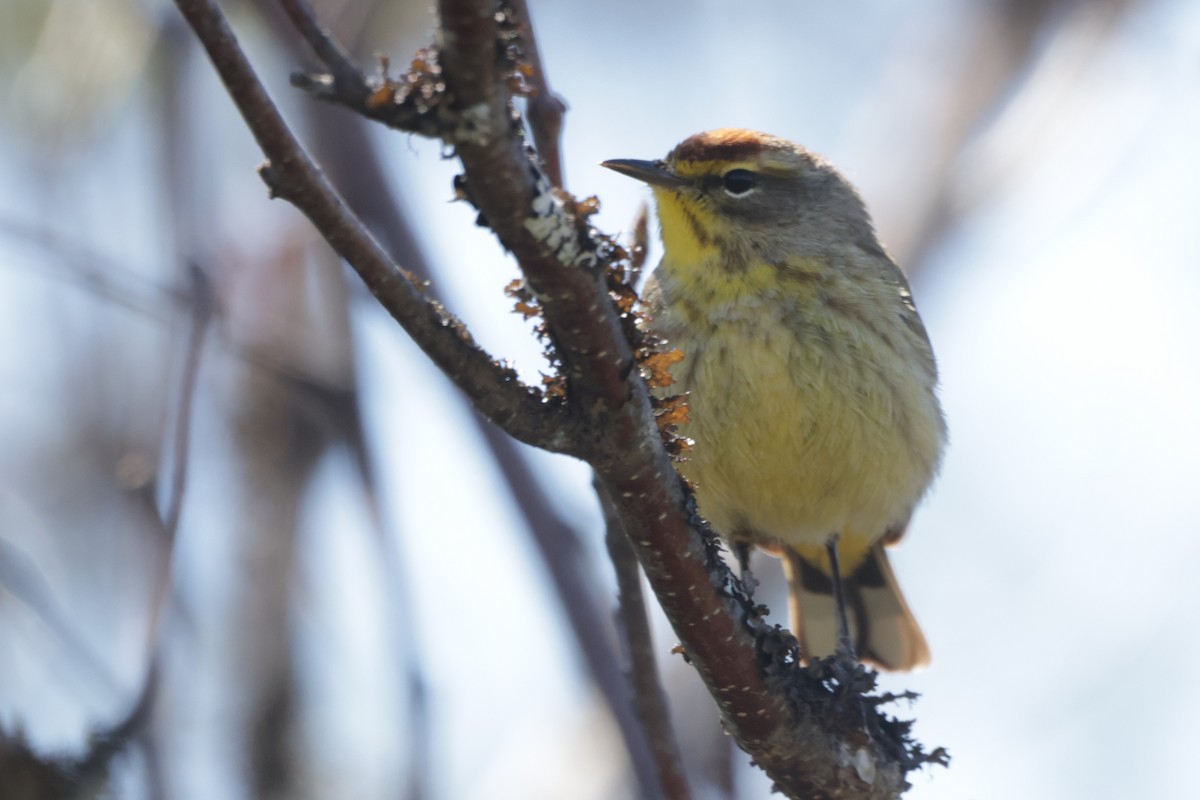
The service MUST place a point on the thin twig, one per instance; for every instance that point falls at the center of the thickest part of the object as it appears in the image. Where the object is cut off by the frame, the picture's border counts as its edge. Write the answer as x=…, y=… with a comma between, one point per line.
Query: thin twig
x=648, y=696
x=544, y=110
x=331, y=53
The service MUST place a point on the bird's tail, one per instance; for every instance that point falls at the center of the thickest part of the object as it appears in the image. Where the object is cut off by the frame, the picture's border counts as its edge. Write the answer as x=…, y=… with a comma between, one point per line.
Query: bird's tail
x=884, y=631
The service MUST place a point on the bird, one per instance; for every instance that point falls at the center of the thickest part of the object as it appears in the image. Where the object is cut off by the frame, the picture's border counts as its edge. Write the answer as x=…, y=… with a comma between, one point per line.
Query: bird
x=810, y=379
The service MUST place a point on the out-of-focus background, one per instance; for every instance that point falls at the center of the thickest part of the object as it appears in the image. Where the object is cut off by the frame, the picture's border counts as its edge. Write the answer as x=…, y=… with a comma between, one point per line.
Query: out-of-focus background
x=342, y=580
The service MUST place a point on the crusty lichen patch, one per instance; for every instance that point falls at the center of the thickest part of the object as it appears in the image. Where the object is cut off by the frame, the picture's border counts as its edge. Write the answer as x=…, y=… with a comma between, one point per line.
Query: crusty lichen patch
x=554, y=227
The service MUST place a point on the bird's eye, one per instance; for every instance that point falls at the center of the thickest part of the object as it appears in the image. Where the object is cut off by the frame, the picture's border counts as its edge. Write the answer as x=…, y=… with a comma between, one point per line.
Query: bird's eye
x=739, y=181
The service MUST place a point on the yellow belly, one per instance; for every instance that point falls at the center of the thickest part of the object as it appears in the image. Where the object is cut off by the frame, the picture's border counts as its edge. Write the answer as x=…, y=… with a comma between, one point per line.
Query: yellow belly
x=799, y=437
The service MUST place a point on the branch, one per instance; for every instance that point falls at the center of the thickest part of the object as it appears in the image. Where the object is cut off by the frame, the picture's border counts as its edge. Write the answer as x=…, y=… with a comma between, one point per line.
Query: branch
x=812, y=731
x=561, y=260
x=290, y=173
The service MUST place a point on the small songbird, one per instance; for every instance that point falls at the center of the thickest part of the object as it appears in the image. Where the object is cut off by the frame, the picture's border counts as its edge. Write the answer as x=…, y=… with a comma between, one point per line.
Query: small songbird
x=811, y=382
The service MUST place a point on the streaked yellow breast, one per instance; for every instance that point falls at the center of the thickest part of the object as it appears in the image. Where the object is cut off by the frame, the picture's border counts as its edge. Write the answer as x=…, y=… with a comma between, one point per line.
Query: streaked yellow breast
x=806, y=421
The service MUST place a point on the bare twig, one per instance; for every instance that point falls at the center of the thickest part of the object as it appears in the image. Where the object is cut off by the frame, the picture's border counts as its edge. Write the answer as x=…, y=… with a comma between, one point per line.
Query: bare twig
x=544, y=109
x=648, y=696
x=345, y=72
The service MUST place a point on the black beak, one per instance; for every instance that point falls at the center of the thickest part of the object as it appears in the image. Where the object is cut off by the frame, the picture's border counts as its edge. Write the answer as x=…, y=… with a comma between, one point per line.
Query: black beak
x=652, y=172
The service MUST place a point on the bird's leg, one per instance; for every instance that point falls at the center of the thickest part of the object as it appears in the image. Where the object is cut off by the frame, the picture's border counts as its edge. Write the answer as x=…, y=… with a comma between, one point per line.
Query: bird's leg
x=741, y=552
x=845, y=645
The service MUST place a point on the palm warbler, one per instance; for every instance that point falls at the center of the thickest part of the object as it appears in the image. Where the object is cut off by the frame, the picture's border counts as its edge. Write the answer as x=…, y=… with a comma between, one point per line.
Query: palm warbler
x=810, y=378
